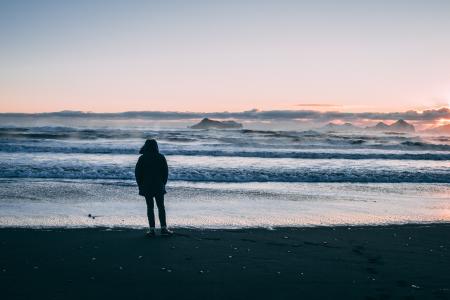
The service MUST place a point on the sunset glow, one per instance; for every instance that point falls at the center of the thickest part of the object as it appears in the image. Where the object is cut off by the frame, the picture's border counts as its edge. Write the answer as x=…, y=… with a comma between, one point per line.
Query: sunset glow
x=221, y=56
x=443, y=122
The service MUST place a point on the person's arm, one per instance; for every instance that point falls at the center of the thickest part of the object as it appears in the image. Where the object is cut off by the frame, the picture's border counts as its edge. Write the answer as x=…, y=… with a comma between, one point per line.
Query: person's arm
x=138, y=171
x=165, y=170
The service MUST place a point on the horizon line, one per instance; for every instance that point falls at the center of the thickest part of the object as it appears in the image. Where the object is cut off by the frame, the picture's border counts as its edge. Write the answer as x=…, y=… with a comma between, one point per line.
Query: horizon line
x=253, y=114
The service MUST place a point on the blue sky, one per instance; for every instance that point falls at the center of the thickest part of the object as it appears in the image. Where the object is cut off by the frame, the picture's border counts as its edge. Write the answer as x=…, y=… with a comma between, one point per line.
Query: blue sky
x=111, y=56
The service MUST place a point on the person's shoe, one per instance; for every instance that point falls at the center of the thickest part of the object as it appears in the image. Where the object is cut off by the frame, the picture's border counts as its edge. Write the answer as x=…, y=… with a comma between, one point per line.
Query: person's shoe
x=165, y=231
x=150, y=233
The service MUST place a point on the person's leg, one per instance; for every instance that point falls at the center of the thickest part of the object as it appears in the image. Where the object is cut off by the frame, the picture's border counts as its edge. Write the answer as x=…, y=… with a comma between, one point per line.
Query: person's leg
x=150, y=212
x=161, y=210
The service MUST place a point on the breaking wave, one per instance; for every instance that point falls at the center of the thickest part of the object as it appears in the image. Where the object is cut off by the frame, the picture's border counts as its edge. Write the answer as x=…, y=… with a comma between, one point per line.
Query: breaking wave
x=303, y=174
x=275, y=153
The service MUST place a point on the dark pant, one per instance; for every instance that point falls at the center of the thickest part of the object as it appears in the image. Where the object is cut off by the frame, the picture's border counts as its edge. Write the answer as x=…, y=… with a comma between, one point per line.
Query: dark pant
x=161, y=210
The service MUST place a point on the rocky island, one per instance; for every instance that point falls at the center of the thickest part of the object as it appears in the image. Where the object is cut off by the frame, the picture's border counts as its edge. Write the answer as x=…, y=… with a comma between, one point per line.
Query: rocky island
x=400, y=126
x=207, y=123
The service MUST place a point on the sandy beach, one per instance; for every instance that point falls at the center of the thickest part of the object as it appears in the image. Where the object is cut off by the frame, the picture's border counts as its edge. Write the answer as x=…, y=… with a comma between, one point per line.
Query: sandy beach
x=380, y=262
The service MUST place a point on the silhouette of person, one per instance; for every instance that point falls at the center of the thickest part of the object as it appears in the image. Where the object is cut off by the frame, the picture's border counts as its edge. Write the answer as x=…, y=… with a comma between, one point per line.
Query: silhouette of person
x=151, y=176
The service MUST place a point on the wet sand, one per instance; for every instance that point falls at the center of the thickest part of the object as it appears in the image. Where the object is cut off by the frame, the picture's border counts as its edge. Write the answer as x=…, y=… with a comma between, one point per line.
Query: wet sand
x=380, y=262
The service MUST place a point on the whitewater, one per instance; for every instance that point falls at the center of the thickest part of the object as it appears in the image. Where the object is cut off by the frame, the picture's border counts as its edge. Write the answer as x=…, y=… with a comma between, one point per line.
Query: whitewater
x=56, y=175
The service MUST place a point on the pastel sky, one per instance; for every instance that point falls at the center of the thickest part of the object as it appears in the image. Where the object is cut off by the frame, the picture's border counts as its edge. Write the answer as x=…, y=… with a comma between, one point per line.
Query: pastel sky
x=112, y=56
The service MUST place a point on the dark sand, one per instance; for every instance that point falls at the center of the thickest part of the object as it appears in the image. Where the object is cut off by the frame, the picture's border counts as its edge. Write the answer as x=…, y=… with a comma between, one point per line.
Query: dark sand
x=386, y=262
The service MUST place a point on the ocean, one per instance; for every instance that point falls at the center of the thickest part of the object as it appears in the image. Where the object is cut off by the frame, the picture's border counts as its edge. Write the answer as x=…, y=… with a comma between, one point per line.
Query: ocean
x=55, y=175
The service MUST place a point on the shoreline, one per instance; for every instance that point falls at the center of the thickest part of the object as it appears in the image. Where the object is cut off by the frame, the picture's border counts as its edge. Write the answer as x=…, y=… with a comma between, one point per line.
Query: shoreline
x=67, y=204
x=200, y=228
x=354, y=262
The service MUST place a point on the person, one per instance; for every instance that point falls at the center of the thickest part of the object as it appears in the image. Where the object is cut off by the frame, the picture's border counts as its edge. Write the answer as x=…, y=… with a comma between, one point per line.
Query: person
x=151, y=176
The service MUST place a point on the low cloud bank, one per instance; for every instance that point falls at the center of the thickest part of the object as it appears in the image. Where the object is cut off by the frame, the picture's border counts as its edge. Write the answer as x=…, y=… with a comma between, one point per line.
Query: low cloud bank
x=304, y=115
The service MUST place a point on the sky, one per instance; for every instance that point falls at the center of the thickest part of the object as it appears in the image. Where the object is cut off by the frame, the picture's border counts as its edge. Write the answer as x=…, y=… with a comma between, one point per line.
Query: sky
x=212, y=56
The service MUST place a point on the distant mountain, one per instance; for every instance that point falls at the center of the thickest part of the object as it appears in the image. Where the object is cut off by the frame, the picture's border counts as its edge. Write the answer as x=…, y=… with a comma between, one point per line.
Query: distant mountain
x=214, y=124
x=444, y=130
x=341, y=127
x=399, y=126
x=381, y=126
x=402, y=126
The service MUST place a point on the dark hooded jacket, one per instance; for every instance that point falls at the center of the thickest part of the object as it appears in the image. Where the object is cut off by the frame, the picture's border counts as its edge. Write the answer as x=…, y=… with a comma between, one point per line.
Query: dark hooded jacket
x=151, y=170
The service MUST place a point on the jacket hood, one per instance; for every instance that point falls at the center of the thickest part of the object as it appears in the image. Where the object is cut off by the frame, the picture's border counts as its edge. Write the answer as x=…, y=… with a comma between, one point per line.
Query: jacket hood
x=150, y=146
